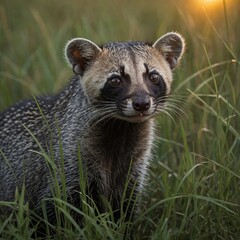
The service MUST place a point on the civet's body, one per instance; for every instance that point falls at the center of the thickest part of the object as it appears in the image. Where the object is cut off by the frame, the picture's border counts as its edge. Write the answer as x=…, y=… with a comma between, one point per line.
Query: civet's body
x=107, y=112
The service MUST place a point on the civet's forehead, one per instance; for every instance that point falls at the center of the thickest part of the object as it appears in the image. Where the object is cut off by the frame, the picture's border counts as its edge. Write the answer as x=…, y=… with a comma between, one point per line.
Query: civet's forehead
x=124, y=45
x=127, y=49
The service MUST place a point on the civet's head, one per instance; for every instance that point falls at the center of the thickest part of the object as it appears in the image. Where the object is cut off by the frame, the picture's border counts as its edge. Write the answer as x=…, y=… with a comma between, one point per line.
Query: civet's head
x=130, y=80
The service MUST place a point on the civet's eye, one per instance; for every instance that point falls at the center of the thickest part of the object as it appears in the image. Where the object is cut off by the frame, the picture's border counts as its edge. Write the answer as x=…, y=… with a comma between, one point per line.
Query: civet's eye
x=115, y=81
x=154, y=77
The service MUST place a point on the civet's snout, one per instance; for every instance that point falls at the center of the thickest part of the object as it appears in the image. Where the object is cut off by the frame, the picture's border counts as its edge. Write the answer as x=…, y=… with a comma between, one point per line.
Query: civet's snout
x=141, y=103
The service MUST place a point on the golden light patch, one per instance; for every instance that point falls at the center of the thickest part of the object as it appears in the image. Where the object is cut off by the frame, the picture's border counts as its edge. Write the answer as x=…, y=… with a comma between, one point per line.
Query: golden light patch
x=210, y=3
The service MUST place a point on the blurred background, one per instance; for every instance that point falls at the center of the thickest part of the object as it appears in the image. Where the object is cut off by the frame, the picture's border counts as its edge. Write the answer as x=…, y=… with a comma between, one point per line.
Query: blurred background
x=196, y=165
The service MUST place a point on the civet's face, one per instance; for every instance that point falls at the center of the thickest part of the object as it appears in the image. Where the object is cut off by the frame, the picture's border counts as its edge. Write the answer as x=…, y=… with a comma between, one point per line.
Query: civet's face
x=127, y=80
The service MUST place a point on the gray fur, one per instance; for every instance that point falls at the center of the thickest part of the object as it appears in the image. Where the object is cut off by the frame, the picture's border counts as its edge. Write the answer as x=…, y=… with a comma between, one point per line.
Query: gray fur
x=109, y=142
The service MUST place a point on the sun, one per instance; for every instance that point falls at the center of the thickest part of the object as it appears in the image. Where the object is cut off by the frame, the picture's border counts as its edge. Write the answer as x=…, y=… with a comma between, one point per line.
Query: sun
x=209, y=3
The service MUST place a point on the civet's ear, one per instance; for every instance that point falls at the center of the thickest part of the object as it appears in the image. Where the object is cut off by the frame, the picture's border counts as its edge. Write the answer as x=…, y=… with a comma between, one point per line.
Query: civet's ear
x=171, y=45
x=80, y=53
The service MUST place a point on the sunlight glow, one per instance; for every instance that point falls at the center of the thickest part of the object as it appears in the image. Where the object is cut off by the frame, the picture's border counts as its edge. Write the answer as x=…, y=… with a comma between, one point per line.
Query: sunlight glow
x=213, y=5
x=212, y=1
x=210, y=4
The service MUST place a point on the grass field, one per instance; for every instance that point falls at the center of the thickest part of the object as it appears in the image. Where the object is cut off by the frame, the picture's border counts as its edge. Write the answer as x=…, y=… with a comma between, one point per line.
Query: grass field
x=193, y=191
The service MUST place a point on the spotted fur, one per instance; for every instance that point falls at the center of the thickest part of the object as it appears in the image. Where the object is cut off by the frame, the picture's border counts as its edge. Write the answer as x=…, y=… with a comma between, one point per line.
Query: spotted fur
x=107, y=109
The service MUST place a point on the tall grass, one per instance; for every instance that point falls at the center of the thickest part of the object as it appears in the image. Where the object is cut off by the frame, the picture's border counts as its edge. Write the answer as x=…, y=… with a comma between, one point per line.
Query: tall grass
x=194, y=179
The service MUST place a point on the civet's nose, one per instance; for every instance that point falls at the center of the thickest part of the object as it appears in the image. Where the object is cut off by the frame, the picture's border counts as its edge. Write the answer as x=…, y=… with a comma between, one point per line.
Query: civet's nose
x=141, y=103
